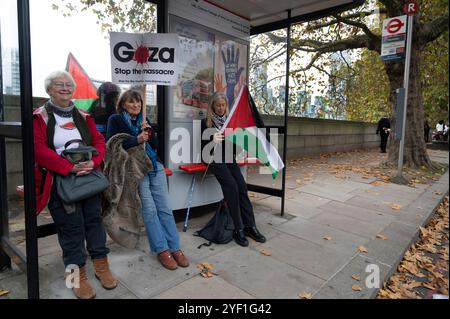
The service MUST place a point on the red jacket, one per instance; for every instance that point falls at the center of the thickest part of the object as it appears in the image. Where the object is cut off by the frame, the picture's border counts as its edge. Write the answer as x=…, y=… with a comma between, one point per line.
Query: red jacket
x=45, y=157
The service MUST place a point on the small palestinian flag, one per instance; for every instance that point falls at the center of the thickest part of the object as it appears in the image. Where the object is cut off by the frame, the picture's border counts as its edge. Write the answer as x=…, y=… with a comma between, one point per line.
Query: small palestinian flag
x=85, y=92
x=243, y=127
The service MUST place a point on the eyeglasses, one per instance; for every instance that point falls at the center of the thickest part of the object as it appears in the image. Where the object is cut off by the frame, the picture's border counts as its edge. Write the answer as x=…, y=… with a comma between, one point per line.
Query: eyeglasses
x=61, y=85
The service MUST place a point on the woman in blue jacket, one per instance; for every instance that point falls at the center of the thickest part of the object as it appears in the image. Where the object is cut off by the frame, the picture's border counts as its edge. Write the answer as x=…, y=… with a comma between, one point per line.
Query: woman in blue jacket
x=158, y=217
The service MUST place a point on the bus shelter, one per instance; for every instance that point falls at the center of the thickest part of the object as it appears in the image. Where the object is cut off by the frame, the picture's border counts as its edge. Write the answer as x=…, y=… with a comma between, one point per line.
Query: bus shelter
x=206, y=28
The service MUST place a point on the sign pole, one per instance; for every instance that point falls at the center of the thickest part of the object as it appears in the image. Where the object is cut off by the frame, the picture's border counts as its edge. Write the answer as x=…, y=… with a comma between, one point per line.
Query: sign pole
x=399, y=178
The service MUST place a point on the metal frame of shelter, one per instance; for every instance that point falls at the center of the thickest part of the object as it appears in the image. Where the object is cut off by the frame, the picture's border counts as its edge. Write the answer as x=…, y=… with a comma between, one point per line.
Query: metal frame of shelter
x=24, y=131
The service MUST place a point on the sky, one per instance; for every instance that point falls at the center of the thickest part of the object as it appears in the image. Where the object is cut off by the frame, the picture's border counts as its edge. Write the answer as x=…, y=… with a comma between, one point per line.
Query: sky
x=53, y=37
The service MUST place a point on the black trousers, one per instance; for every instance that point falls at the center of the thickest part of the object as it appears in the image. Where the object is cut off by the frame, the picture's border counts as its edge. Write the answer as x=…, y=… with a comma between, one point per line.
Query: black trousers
x=384, y=138
x=85, y=224
x=235, y=193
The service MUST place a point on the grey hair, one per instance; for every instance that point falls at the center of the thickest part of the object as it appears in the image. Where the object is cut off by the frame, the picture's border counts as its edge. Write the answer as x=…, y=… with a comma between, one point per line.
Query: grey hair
x=56, y=75
x=216, y=96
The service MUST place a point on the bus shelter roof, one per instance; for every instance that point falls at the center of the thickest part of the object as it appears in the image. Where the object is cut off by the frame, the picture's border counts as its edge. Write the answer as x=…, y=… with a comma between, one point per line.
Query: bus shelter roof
x=269, y=15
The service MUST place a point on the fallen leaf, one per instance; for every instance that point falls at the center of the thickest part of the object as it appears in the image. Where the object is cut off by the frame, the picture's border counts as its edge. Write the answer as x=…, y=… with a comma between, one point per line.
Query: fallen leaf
x=428, y=286
x=382, y=237
x=266, y=252
x=363, y=249
x=205, y=265
x=356, y=288
x=396, y=206
x=207, y=274
x=298, y=181
x=327, y=237
x=3, y=293
x=305, y=295
x=356, y=277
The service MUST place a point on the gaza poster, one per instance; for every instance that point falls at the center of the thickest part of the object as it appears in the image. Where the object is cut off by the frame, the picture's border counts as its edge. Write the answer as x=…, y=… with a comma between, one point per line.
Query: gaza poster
x=195, y=71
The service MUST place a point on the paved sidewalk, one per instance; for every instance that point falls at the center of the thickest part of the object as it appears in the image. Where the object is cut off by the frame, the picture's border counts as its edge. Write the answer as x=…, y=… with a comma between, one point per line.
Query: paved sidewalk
x=312, y=249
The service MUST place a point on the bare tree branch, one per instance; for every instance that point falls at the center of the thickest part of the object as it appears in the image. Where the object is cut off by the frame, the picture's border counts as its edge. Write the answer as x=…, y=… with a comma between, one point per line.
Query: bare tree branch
x=432, y=30
x=360, y=14
x=360, y=25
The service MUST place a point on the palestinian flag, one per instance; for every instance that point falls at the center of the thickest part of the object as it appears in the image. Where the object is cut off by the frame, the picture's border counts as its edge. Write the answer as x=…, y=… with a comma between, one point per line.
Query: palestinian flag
x=85, y=92
x=244, y=128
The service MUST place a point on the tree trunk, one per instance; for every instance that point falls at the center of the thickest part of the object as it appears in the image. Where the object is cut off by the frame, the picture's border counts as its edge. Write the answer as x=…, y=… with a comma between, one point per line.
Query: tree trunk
x=415, y=152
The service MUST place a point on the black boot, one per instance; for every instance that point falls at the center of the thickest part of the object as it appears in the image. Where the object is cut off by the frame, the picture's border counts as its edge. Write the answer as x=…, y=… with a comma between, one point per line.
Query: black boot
x=239, y=238
x=254, y=233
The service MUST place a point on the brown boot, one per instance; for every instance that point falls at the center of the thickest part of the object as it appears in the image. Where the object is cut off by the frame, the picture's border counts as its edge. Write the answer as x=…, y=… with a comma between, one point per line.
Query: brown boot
x=180, y=258
x=104, y=274
x=166, y=259
x=85, y=290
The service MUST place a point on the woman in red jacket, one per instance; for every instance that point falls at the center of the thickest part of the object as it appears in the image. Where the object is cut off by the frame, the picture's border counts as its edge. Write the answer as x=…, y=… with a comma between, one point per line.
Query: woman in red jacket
x=55, y=123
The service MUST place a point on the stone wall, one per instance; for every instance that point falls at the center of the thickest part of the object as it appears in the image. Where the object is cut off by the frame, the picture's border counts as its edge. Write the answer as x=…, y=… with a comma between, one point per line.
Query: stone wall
x=307, y=136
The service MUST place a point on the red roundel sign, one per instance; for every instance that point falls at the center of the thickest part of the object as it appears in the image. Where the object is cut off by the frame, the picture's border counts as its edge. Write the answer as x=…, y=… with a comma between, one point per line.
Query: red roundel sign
x=394, y=25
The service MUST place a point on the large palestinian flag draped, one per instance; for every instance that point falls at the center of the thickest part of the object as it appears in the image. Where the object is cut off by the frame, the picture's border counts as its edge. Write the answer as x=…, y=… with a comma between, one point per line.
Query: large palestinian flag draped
x=244, y=128
x=85, y=92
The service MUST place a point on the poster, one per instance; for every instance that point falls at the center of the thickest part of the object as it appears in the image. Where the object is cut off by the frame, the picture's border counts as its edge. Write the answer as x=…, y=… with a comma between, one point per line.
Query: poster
x=230, y=67
x=148, y=58
x=194, y=85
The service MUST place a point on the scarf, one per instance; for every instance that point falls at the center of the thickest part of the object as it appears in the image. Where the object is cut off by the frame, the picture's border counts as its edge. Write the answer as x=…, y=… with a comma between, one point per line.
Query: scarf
x=218, y=121
x=61, y=111
x=135, y=129
x=67, y=112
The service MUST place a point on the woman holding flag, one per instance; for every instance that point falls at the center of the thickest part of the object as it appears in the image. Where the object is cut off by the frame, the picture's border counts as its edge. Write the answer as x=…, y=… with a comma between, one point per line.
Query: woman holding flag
x=222, y=163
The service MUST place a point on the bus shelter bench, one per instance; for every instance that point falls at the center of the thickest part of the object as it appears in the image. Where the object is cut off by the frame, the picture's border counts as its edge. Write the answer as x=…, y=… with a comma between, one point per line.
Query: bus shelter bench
x=201, y=168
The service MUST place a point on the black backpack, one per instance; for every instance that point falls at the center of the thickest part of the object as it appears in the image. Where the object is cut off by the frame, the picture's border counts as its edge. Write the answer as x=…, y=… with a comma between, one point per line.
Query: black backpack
x=219, y=229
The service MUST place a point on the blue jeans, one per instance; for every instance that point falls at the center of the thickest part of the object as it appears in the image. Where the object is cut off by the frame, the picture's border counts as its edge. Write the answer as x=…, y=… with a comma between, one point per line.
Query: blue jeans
x=158, y=217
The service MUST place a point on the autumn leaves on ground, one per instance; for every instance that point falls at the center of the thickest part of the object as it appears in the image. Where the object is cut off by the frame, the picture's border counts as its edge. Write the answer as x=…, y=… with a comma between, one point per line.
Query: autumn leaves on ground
x=423, y=271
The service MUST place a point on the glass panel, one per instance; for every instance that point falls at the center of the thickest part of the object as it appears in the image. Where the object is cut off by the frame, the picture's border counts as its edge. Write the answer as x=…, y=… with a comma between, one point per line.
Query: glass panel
x=267, y=84
x=268, y=71
x=82, y=30
x=10, y=112
x=9, y=53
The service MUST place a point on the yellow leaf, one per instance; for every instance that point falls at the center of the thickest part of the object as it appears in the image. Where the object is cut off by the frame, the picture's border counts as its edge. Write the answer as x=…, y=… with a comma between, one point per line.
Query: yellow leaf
x=327, y=238
x=3, y=293
x=382, y=237
x=298, y=181
x=356, y=288
x=363, y=249
x=396, y=206
x=305, y=295
x=266, y=252
x=356, y=277
x=205, y=265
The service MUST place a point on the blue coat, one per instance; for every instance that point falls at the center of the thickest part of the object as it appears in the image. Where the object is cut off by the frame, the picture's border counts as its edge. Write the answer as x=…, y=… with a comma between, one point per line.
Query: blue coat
x=116, y=124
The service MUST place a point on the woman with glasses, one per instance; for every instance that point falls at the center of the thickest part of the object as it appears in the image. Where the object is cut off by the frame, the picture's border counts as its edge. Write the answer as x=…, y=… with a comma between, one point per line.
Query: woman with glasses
x=55, y=123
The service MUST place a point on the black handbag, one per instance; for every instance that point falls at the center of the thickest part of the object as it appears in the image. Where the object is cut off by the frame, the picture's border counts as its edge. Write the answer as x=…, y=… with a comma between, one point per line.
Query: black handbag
x=73, y=188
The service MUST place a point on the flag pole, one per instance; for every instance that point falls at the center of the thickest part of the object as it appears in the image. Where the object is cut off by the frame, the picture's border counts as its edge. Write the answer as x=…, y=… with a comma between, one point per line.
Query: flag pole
x=144, y=105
